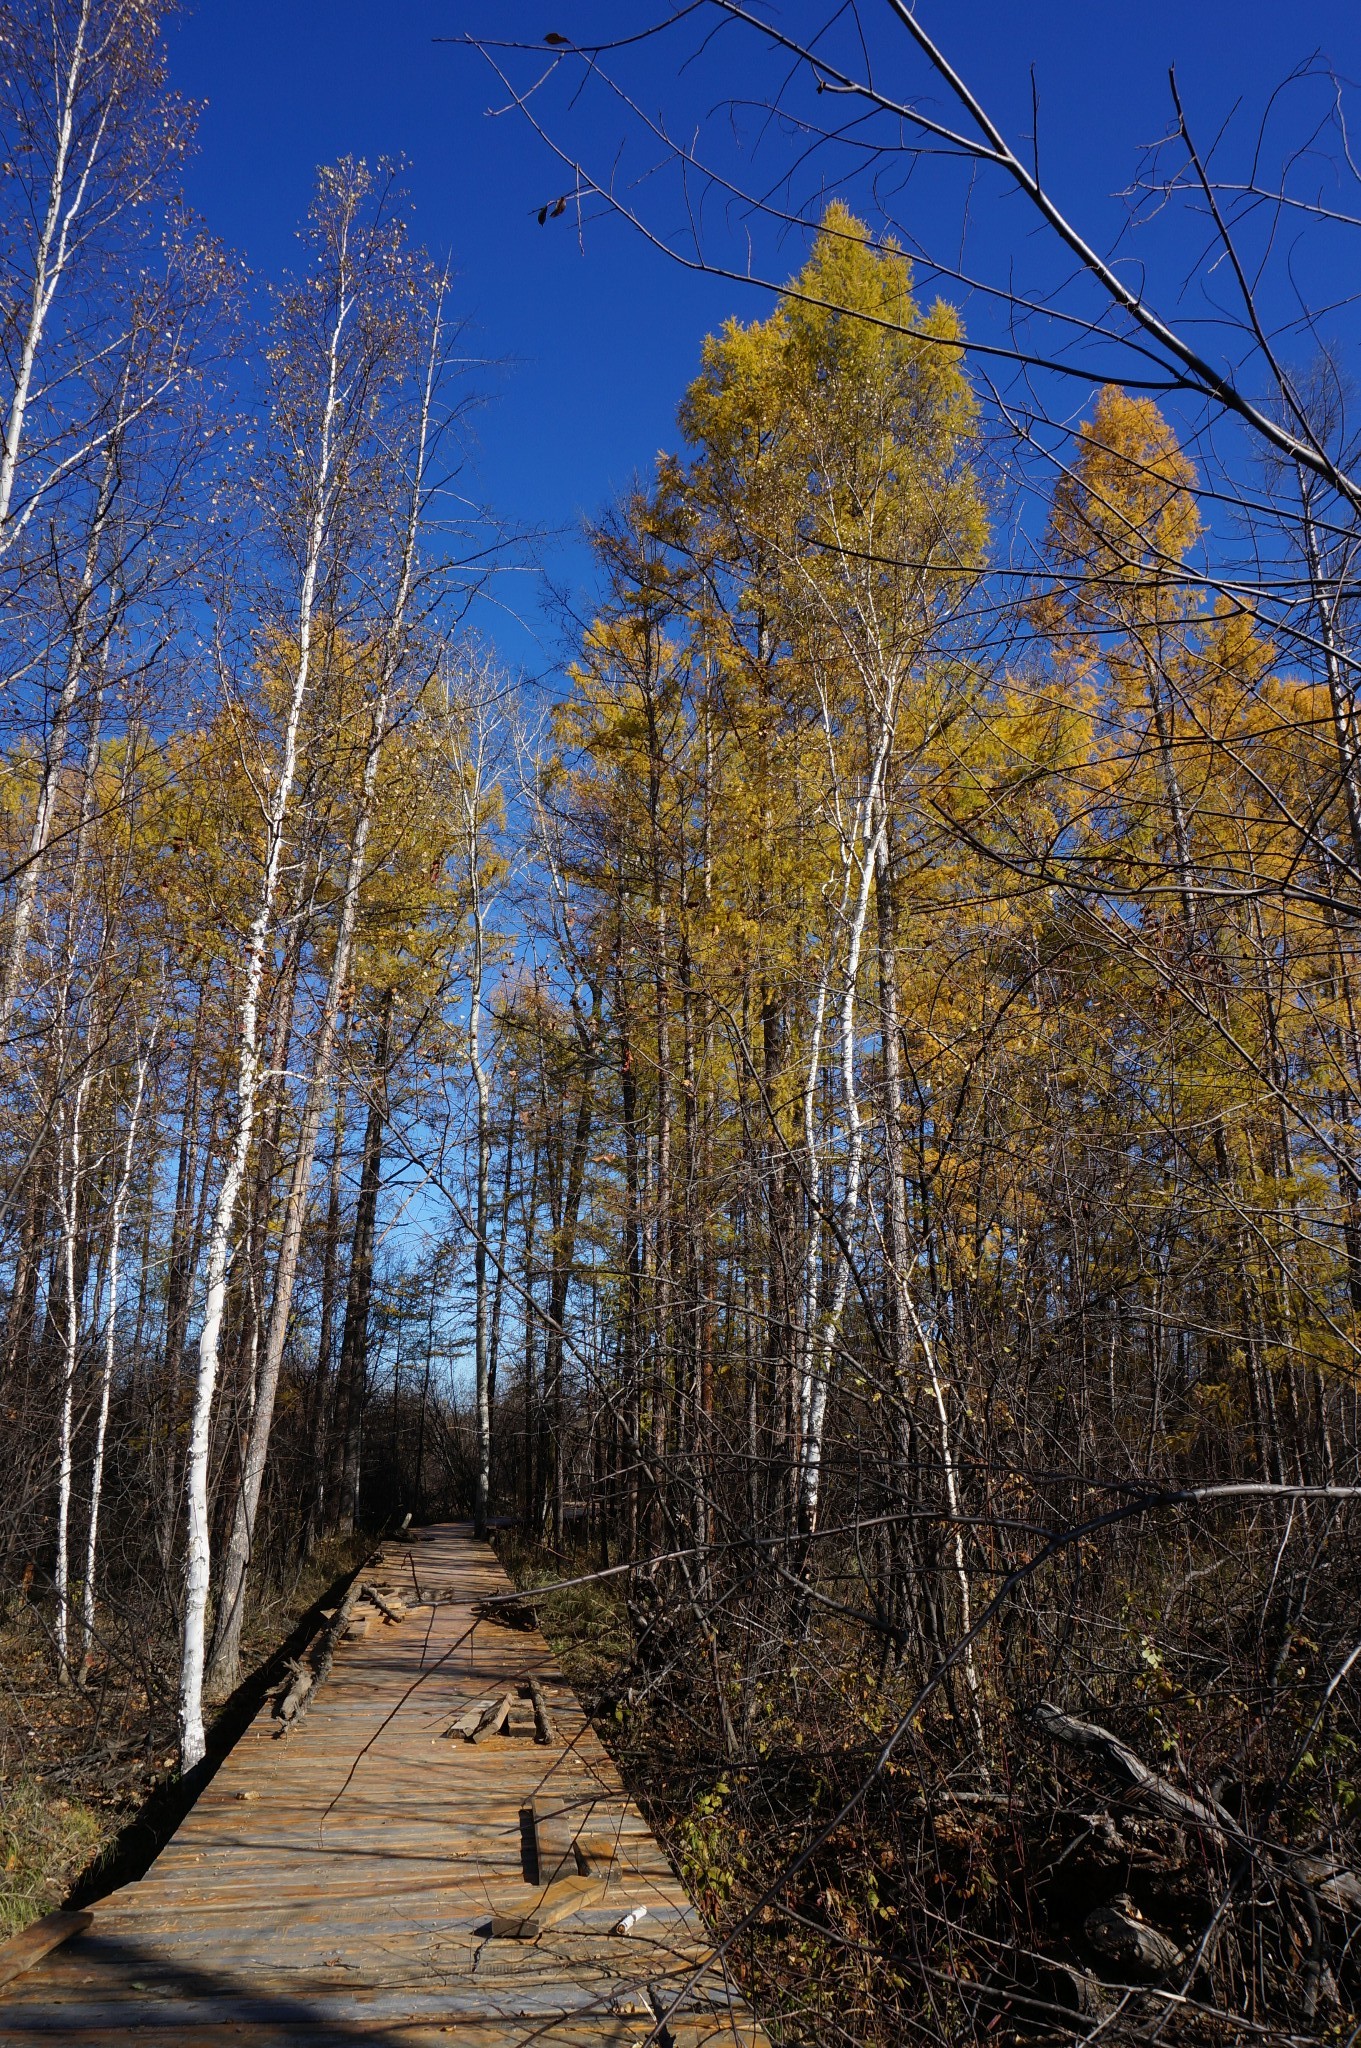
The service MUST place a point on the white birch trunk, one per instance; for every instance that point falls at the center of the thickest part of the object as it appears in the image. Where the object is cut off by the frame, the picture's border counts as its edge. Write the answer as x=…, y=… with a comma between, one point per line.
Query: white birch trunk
x=226, y=1650
x=813, y=1168
x=49, y=263
x=471, y=790
x=862, y=850
x=120, y=1201
x=198, y=1560
x=950, y=1464
x=54, y=760
x=69, y=1200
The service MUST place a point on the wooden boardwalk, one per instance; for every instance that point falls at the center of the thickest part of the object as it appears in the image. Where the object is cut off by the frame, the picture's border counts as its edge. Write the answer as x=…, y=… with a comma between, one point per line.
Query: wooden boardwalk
x=337, y=1884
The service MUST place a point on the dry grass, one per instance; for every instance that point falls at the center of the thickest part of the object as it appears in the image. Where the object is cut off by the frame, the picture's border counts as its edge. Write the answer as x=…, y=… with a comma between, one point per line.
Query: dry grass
x=46, y=1839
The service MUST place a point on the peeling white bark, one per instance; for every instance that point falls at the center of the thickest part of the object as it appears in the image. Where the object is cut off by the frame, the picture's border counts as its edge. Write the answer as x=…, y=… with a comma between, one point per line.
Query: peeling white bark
x=120, y=1202
x=197, y=1559
x=860, y=854
x=225, y=1659
x=68, y=1200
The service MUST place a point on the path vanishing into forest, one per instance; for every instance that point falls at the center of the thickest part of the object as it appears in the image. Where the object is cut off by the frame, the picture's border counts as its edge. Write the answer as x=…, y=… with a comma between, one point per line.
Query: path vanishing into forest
x=378, y=1875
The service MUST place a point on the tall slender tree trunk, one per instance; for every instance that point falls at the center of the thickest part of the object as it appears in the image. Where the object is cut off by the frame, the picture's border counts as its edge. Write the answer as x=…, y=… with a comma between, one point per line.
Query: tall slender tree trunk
x=470, y=781
x=111, y=1300
x=862, y=852
x=321, y=1417
x=277, y=809
x=352, y=1378
x=531, y=1221
x=54, y=752
x=564, y=1254
x=70, y=1172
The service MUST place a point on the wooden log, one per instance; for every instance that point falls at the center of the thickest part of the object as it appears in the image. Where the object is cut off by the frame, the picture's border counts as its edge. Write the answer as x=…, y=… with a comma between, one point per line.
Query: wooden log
x=1329, y=1881
x=545, y=1728
x=1334, y=1883
x=298, y=1696
x=491, y=1721
x=1152, y=1791
x=298, y=1688
x=1120, y=1933
x=391, y=1610
x=595, y=1854
x=28, y=1947
x=555, y=1903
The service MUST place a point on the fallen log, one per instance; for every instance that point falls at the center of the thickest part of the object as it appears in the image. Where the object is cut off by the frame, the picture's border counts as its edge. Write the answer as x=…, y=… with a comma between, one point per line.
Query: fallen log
x=1152, y=1791
x=299, y=1686
x=1330, y=1881
x=34, y=1942
x=391, y=1610
x=1120, y=1933
x=297, y=1698
x=545, y=1729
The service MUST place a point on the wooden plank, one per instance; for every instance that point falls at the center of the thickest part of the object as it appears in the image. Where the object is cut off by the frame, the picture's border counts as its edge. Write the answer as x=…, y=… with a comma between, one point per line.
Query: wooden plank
x=556, y=1827
x=555, y=1903
x=712, y=2029
x=32, y=1943
x=491, y=1723
x=470, y=1721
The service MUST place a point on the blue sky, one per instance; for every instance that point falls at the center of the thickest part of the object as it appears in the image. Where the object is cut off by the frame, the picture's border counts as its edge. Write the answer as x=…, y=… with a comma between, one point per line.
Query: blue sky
x=594, y=345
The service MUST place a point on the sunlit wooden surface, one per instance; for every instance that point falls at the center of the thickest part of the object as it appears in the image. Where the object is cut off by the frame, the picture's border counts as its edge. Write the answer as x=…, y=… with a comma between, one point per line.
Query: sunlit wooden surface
x=338, y=1884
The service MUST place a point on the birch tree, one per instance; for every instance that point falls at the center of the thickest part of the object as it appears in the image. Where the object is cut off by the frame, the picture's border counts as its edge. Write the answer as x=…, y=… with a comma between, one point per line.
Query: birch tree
x=390, y=640
x=339, y=341
x=476, y=735
x=111, y=1304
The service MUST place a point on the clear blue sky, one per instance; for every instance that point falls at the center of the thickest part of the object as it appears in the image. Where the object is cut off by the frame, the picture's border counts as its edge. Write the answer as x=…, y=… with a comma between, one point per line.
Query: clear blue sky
x=596, y=346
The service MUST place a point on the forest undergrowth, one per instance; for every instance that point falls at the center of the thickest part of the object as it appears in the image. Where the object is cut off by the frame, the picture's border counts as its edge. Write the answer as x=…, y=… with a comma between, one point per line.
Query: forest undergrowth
x=1035, y=1895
